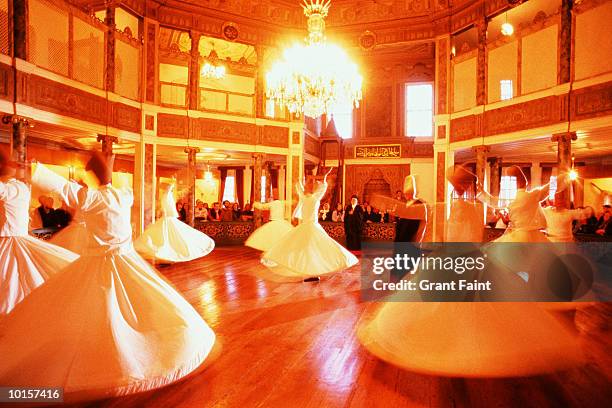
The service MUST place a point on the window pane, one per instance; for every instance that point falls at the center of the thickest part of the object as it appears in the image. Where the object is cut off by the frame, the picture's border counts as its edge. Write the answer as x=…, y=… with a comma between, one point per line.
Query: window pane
x=506, y=89
x=419, y=110
x=263, y=189
x=419, y=97
x=230, y=189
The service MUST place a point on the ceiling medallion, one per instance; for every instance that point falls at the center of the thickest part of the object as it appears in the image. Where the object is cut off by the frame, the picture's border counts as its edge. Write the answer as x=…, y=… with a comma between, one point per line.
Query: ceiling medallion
x=367, y=40
x=230, y=31
x=314, y=78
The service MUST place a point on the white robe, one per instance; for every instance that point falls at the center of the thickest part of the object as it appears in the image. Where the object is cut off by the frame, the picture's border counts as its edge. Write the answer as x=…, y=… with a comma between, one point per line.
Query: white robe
x=25, y=262
x=171, y=240
x=108, y=324
x=467, y=339
x=272, y=232
x=307, y=250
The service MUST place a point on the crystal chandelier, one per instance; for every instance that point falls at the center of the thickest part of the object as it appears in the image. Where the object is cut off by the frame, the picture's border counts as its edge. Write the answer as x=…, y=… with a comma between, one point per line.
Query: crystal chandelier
x=314, y=78
x=211, y=68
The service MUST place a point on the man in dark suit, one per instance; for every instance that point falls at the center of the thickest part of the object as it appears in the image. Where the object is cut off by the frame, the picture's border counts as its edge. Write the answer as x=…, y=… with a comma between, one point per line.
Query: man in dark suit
x=409, y=232
x=353, y=221
x=46, y=212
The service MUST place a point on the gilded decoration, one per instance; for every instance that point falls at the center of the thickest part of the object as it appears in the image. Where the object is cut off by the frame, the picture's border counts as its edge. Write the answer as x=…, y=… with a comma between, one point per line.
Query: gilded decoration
x=378, y=151
x=230, y=31
x=367, y=40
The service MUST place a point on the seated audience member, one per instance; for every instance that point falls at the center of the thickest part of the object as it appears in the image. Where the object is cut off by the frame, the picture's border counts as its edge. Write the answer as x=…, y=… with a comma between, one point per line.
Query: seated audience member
x=226, y=213
x=201, y=212
x=376, y=217
x=182, y=212
x=325, y=213
x=46, y=212
x=236, y=213
x=214, y=214
x=338, y=213
x=587, y=225
x=384, y=216
x=247, y=213
x=606, y=208
x=605, y=226
x=368, y=215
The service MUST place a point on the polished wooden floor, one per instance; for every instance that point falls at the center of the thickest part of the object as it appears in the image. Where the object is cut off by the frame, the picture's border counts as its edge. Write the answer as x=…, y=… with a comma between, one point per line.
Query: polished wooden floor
x=294, y=345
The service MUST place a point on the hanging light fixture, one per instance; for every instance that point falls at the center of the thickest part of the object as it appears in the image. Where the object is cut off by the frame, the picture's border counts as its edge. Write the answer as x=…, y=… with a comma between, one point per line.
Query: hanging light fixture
x=212, y=68
x=208, y=176
x=507, y=29
x=573, y=173
x=312, y=79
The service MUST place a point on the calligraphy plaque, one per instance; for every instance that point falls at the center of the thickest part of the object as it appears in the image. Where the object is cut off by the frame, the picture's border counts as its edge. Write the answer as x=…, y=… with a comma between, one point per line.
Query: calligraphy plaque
x=391, y=151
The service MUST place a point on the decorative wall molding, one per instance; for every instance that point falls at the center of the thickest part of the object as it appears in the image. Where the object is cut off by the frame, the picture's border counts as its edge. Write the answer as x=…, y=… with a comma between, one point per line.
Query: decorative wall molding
x=169, y=125
x=532, y=114
x=223, y=131
x=6, y=82
x=275, y=136
x=55, y=97
x=591, y=102
x=463, y=128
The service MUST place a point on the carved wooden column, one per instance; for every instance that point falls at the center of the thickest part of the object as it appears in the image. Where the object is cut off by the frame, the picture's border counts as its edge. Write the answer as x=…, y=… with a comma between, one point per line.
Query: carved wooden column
x=439, y=216
x=18, y=141
x=442, y=74
x=268, y=169
x=281, y=182
x=496, y=163
x=151, y=72
x=194, y=70
x=109, y=19
x=107, y=143
x=191, y=179
x=565, y=42
x=144, y=186
x=20, y=29
x=564, y=165
x=260, y=94
x=258, y=163
x=481, y=163
x=481, y=77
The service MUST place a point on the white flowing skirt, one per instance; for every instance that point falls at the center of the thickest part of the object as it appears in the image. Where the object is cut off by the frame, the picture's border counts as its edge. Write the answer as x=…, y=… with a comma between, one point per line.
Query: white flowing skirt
x=105, y=326
x=26, y=262
x=265, y=237
x=73, y=238
x=470, y=339
x=308, y=251
x=170, y=239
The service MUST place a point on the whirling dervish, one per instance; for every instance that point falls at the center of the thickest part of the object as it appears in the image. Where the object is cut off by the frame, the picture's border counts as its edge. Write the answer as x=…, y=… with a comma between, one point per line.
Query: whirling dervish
x=269, y=234
x=26, y=262
x=467, y=339
x=73, y=236
x=307, y=252
x=171, y=240
x=107, y=324
x=526, y=214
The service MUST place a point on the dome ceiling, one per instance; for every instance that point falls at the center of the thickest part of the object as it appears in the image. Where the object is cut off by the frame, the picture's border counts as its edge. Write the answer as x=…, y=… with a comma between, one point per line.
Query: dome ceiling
x=288, y=13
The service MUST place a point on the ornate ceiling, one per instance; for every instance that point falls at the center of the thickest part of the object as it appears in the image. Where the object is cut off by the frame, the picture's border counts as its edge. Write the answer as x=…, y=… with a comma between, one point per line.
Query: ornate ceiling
x=266, y=21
